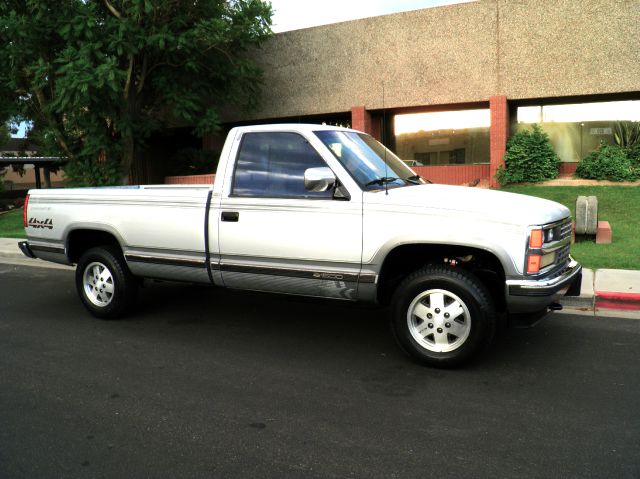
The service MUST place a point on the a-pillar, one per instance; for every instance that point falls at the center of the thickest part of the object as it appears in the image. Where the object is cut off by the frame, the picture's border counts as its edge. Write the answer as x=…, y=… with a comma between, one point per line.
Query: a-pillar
x=498, y=136
x=361, y=119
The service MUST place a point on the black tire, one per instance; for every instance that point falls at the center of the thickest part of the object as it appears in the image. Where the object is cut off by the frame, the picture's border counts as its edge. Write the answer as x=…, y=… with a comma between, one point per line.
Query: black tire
x=442, y=336
x=105, y=285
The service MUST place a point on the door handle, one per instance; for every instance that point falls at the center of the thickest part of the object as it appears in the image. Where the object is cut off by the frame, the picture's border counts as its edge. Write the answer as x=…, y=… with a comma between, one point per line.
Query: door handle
x=231, y=216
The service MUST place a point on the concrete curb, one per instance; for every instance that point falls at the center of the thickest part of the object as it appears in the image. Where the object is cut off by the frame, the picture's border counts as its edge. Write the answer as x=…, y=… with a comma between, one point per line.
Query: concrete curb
x=586, y=300
x=9, y=248
x=617, y=289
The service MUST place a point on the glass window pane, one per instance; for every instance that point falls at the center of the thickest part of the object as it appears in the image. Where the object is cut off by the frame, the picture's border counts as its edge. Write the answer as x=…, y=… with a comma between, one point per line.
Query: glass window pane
x=443, y=138
x=575, y=130
x=272, y=164
x=368, y=162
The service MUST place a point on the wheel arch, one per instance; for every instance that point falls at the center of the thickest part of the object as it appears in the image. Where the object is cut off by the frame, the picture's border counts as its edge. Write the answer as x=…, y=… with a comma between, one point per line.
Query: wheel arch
x=81, y=239
x=405, y=259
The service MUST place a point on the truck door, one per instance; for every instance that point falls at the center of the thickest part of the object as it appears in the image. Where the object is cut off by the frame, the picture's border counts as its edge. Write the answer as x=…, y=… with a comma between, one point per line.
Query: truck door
x=274, y=235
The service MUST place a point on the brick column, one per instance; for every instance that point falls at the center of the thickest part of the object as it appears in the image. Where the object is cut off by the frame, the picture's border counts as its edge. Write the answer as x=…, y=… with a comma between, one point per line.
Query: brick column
x=361, y=119
x=499, y=133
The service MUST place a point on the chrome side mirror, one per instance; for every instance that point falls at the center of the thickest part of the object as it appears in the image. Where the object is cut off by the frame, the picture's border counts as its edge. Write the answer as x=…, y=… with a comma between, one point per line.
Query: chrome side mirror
x=319, y=179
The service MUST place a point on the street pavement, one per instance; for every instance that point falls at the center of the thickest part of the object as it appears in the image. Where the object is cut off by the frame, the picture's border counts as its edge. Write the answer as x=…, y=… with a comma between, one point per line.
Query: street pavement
x=201, y=382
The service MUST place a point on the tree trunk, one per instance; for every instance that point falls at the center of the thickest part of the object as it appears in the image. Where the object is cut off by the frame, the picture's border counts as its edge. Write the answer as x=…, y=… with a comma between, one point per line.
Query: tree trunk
x=133, y=171
x=139, y=173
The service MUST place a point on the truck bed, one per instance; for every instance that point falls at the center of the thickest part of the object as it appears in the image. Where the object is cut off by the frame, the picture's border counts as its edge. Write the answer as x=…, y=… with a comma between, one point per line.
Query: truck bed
x=150, y=221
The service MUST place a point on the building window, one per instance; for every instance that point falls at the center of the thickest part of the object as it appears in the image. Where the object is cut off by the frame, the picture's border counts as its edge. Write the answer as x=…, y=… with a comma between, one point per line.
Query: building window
x=443, y=138
x=575, y=130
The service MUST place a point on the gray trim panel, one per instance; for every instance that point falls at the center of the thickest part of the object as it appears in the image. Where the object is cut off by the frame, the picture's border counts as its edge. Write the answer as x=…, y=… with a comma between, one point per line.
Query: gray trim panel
x=168, y=261
x=216, y=265
x=294, y=273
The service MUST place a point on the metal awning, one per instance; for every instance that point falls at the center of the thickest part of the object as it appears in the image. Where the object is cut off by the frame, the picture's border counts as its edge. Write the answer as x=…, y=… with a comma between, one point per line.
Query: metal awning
x=37, y=161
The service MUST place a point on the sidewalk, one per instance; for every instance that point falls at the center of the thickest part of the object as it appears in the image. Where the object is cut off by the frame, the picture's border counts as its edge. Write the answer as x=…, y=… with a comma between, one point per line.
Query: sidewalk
x=615, y=289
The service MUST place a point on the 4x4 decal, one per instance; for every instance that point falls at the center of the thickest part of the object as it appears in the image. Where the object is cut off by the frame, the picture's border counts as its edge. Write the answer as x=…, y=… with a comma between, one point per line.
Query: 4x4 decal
x=36, y=223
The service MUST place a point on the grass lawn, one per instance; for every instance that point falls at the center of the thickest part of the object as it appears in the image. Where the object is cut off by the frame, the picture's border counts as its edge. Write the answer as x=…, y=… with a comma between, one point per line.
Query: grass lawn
x=11, y=224
x=619, y=205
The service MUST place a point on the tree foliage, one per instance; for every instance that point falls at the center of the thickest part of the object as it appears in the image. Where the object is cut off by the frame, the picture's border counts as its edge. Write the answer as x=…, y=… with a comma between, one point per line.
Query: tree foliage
x=97, y=77
x=529, y=158
x=4, y=138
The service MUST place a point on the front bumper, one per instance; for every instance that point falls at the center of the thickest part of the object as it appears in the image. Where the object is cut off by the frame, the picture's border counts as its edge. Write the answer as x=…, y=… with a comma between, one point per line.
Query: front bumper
x=525, y=296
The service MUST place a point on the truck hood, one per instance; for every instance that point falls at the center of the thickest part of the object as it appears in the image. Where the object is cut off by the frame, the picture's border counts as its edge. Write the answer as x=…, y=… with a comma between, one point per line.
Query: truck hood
x=497, y=206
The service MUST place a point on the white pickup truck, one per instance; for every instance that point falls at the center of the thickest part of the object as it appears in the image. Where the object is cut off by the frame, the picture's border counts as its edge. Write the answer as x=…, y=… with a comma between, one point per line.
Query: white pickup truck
x=325, y=212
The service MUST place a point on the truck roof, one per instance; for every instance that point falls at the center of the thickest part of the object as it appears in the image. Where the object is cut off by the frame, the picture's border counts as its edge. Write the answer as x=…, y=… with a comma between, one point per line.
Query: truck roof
x=290, y=127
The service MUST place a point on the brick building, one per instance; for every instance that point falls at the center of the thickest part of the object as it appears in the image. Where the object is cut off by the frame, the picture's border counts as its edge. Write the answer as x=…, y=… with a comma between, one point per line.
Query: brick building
x=445, y=87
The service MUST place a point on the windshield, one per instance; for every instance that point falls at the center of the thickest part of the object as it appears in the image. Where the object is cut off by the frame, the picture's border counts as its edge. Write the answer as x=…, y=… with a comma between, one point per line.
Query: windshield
x=369, y=163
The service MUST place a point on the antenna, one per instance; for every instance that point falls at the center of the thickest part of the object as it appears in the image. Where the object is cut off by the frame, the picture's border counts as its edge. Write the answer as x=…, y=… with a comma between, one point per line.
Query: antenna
x=382, y=136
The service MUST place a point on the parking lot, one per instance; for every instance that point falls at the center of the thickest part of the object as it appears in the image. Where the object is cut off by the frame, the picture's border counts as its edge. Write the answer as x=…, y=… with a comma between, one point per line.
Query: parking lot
x=208, y=383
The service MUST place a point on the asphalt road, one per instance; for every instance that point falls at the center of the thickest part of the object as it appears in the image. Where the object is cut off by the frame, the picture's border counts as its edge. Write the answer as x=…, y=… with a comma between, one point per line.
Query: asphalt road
x=208, y=383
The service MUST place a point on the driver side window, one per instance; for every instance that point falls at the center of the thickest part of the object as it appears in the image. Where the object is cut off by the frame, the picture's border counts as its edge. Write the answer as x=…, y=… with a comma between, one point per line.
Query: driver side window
x=272, y=165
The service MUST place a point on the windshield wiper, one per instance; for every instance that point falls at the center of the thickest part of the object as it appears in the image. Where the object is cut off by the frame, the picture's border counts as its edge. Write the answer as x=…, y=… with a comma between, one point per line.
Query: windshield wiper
x=383, y=180
x=415, y=179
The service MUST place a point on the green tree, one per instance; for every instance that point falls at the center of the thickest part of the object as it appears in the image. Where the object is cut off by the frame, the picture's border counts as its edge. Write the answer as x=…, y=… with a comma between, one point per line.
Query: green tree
x=529, y=158
x=97, y=77
x=4, y=138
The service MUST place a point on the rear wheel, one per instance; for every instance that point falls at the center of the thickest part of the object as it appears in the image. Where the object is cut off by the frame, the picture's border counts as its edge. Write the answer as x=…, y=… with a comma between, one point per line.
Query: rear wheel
x=442, y=316
x=105, y=285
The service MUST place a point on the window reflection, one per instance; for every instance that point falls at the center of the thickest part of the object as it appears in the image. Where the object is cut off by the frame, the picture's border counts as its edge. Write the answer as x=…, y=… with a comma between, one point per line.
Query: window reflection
x=577, y=129
x=443, y=138
x=272, y=164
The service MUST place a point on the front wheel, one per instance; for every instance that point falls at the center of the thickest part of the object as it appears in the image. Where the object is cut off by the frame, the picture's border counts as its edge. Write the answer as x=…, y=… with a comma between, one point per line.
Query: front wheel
x=105, y=285
x=442, y=316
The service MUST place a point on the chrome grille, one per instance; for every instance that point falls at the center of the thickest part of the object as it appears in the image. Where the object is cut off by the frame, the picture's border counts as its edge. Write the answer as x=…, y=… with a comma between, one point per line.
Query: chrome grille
x=561, y=232
x=562, y=255
x=565, y=229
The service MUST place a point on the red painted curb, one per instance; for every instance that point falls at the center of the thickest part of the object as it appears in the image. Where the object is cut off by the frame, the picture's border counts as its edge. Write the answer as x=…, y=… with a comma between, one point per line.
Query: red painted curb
x=618, y=306
x=612, y=296
x=620, y=301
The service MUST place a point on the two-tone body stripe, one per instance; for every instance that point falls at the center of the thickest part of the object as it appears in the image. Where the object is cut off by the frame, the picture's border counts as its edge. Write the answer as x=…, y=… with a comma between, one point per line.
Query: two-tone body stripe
x=165, y=261
x=251, y=269
x=296, y=273
x=292, y=273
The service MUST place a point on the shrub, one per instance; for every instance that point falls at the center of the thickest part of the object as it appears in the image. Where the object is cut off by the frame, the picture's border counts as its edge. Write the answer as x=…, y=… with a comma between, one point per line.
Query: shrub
x=634, y=156
x=529, y=158
x=609, y=162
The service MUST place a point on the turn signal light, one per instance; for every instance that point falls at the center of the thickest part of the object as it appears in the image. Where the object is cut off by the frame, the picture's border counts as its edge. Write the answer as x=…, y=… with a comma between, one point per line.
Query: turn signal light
x=536, y=239
x=533, y=263
x=24, y=211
